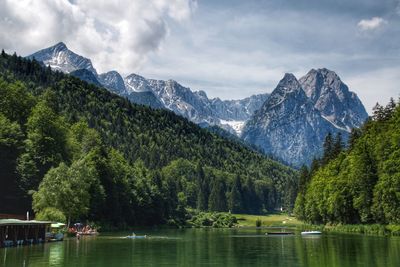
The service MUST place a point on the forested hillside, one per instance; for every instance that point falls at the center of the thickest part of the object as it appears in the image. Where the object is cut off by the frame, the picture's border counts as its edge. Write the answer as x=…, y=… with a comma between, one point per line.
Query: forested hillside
x=360, y=184
x=83, y=152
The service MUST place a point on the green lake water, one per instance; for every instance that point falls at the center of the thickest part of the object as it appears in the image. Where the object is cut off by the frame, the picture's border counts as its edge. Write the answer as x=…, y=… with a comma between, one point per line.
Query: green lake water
x=210, y=247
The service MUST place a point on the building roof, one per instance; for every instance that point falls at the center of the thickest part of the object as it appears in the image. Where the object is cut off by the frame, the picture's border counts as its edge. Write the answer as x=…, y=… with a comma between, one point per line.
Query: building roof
x=21, y=222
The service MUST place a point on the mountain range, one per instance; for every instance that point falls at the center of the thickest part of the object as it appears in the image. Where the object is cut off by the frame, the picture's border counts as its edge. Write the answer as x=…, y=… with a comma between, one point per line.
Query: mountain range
x=290, y=123
x=195, y=106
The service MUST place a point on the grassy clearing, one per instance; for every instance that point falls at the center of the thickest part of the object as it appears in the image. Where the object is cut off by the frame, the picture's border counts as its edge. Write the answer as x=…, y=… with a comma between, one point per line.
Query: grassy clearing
x=278, y=219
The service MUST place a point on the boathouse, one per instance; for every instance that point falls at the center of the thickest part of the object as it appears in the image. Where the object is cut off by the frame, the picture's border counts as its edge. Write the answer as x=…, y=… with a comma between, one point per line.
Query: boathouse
x=19, y=232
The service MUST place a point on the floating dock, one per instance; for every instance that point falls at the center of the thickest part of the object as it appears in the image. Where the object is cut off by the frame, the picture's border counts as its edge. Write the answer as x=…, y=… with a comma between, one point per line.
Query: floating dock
x=279, y=233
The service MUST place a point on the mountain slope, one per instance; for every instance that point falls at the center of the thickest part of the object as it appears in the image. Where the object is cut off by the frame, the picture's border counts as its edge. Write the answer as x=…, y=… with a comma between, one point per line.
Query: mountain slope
x=288, y=125
x=85, y=75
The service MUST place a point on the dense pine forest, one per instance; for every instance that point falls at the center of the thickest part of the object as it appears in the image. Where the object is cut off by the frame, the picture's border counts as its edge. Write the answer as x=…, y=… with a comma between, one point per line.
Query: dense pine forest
x=70, y=150
x=360, y=184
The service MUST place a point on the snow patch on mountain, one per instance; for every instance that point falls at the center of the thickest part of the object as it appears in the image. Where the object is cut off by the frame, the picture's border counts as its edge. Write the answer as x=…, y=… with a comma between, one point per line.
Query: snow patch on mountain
x=237, y=126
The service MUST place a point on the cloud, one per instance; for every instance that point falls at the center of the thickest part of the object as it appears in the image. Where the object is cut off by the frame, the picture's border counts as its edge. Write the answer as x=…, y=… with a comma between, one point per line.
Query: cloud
x=371, y=24
x=114, y=34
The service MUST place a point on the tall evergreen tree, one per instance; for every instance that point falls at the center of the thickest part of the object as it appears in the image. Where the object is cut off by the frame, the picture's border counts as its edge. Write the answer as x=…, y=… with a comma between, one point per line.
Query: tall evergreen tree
x=337, y=145
x=217, y=199
x=365, y=179
x=328, y=148
x=235, y=203
x=251, y=203
x=378, y=112
x=202, y=185
x=304, y=177
x=354, y=135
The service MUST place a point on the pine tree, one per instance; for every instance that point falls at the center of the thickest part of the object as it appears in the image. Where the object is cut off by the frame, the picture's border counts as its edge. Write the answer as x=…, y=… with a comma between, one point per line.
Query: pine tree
x=299, y=208
x=202, y=185
x=389, y=109
x=328, y=149
x=365, y=181
x=315, y=165
x=251, y=203
x=235, y=204
x=354, y=135
x=217, y=200
x=378, y=112
x=337, y=146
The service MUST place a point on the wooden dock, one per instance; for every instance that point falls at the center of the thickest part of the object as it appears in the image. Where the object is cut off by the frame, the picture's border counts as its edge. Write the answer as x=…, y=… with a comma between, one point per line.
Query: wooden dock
x=15, y=232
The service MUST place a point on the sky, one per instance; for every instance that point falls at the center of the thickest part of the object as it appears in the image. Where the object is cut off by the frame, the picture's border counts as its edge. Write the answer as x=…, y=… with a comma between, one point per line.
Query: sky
x=228, y=48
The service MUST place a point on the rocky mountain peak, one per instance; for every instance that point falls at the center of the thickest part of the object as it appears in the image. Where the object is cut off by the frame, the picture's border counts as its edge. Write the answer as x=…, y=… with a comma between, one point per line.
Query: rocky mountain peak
x=60, y=58
x=113, y=81
x=287, y=88
x=289, y=83
x=333, y=99
x=137, y=83
x=60, y=46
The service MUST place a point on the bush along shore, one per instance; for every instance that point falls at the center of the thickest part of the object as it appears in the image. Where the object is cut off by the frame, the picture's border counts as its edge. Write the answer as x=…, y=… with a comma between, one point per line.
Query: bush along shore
x=227, y=220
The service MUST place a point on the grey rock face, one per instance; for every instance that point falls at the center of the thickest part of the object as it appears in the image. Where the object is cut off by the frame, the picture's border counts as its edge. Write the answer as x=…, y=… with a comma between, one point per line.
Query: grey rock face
x=197, y=107
x=181, y=100
x=113, y=81
x=59, y=57
x=288, y=125
x=137, y=83
x=333, y=99
x=139, y=91
x=238, y=110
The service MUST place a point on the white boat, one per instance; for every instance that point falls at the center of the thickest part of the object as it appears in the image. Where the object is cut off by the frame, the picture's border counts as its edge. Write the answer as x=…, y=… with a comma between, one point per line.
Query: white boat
x=311, y=233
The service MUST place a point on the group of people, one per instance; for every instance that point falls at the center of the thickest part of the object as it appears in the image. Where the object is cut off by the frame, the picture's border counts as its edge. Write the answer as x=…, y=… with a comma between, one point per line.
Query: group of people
x=79, y=229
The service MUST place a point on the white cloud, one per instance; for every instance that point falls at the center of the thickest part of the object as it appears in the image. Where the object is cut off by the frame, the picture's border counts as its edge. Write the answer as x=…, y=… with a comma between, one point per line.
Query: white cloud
x=114, y=34
x=371, y=24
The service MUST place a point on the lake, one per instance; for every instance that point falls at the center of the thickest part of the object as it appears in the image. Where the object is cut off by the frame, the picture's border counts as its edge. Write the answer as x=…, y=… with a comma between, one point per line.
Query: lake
x=210, y=247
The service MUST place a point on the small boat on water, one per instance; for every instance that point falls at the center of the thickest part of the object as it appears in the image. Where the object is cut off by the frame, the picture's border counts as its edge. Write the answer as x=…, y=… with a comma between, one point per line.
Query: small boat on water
x=135, y=236
x=311, y=233
x=279, y=233
x=88, y=233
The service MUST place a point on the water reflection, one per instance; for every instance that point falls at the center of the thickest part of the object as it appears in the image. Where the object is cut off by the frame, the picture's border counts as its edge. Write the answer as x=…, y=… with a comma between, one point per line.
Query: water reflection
x=217, y=247
x=56, y=255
